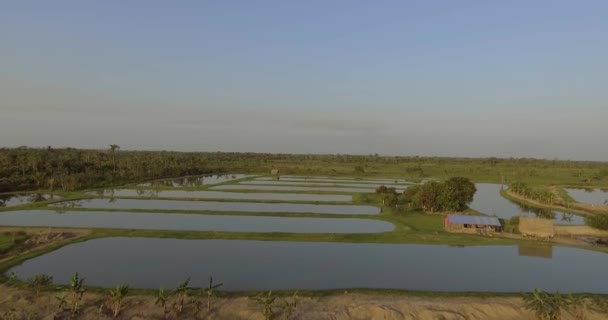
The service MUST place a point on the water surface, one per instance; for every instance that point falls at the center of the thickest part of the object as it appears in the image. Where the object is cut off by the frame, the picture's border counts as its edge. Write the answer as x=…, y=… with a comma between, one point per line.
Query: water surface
x=147, y=193
x=286, y=188
x=489, y=201
x=336, y=180
x=319, y=184
x=194, y=181
x=590, y=196
x=127, y=204
x=12, y=200
x=264, y=265
x=189, y=222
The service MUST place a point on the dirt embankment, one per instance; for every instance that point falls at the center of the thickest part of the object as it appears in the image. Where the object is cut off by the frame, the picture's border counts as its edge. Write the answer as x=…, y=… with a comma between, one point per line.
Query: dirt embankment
x=560, y=204
x=24, y=303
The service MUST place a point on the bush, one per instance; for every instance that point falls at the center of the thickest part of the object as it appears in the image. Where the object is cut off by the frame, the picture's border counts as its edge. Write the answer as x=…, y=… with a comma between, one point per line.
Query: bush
x=597, y=221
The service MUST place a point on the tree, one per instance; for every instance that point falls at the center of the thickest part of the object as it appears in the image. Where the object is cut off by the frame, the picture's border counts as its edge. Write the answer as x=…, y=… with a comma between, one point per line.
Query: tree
x=114, y=149
x=457, y=193
x=429, y=195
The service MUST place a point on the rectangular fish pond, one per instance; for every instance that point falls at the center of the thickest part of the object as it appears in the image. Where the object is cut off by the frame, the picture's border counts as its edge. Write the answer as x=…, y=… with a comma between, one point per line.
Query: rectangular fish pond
x=194, y=181
x=129, y=204
x=189, y=222
x=149, y=193
x=244, y=265
x=286, y=188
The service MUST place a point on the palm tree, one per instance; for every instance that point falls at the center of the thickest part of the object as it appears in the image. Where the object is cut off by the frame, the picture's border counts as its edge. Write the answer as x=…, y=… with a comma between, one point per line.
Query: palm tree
x=114, y=149
x=161, y=300
x=117, y=295
x=210, y=290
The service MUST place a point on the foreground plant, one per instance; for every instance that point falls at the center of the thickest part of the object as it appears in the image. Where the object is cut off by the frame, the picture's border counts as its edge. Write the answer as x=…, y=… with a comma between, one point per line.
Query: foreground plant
x=62, y=302
x=210, y=291
x=546, y=306
x=116, y=297
x=162, y=300
x=181, y=294
x=266, y=301
x=40, y=282
x=289, y=307
x=76, y=291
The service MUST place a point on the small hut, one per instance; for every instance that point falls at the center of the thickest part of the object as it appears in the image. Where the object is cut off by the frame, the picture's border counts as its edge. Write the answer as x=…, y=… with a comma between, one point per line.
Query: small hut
x=536, y=227
x=274, y=172
x=472, y=224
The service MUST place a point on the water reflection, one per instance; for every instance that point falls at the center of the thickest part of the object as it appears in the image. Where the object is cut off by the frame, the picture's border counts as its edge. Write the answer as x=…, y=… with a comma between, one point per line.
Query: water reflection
x=189, y=222
x=194, y=181
x=12, y=200
x=488, y=200
x=182, y=194
x=589, y=195
x=285, y=265
x=129, y=204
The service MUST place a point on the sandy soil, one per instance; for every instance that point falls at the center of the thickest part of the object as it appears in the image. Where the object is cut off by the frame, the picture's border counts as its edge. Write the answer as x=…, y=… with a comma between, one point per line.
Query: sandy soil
x=336, y=307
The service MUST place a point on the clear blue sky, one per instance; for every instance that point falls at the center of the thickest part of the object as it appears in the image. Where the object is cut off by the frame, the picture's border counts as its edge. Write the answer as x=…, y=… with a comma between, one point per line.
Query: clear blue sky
x=450, y=78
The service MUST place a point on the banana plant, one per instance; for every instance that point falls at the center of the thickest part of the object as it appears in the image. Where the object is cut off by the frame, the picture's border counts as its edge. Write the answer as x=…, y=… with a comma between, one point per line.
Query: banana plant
x=62, y=302
x=77, y=291
x=116, y=297
x=266, y=301
x=289, y=307
x=181, y=294
x=210, y=291
x=162, y=299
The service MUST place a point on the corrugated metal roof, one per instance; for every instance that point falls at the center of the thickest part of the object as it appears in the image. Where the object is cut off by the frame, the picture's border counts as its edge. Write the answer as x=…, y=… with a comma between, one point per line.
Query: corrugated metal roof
x=479, y=220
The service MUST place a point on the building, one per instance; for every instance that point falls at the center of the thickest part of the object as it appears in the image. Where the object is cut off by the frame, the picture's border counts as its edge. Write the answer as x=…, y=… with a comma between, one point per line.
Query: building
x=472, y=224
x=274, y=172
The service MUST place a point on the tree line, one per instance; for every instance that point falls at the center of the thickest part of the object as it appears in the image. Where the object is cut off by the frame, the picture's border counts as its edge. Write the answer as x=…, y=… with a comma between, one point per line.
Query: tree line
x=455, y=194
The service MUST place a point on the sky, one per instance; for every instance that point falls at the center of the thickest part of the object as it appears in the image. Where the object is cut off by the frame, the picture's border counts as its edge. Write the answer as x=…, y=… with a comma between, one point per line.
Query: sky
x=429, y=78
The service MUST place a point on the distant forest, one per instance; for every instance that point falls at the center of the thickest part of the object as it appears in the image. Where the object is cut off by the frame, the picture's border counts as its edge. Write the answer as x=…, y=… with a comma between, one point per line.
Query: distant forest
x=74, y=169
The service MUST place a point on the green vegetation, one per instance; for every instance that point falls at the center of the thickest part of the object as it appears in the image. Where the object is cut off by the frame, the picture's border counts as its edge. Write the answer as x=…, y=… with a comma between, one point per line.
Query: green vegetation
x=40, y=282
x=452, y=195
x=597, y=221
x=74, y=169
x=211, y=291
x=548, y=306
x=117, y=296
x=266, y=301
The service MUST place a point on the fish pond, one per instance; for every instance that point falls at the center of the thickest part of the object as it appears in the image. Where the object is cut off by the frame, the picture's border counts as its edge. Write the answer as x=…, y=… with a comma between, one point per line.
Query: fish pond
x=488, y=200
x=129, y=204
x=244, y=265
x=336, y=180
x=181, y=194
x=194, y=181
x=319, y=184
x=12, y=200
x=189, y=222
x=590, y=196
x=286, y=188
